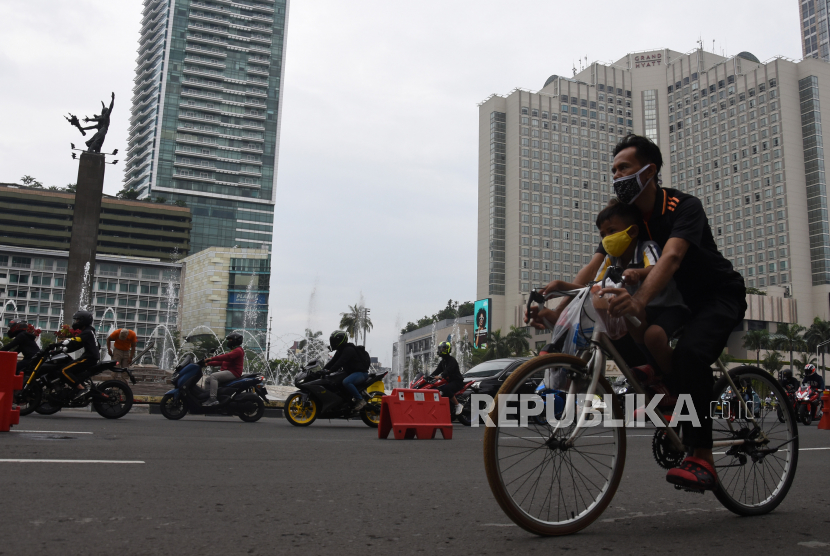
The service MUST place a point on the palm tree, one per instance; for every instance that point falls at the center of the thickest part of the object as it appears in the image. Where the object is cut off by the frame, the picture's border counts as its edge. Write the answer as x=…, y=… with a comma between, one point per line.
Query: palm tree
x=818, y=333
x=802, y=362
x=772, y=362
x=789, y=336
x=355, y=320
x=497, y=347
x=756, y=340
x=517, y=341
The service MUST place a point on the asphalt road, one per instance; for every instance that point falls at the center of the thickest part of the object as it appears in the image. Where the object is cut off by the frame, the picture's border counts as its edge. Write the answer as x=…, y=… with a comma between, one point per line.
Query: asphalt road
x=221, y=486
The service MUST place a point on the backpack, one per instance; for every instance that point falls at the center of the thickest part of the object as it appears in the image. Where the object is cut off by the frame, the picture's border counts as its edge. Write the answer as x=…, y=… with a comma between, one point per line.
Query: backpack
x=365, y=361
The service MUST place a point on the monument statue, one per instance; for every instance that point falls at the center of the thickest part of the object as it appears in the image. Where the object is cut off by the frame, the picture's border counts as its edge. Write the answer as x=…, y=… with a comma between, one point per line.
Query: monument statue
x=102, y=124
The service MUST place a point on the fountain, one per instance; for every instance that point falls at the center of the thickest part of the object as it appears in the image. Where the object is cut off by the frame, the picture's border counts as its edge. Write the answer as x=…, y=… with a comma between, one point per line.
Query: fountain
x=86, y=290
x=113, y=328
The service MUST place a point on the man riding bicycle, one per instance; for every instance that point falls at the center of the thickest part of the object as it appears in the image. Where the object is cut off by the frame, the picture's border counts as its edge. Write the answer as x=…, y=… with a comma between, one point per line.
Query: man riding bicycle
x=711, y=288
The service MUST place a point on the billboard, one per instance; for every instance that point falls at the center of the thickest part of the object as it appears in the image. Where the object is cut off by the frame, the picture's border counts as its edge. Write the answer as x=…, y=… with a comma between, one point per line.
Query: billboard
x=481, y=324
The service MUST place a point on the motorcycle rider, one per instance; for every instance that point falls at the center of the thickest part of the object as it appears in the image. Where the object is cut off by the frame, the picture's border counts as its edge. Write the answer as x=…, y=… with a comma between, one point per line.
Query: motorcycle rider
x=789, y=382
x=448, y=369
x=346, y=358
x=76, y=372
x=23, y=337
x=812, y=377
x=232, y=363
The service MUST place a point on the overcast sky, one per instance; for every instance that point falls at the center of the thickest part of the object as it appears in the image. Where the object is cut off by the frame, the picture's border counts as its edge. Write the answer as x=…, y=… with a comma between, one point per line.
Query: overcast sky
x=376, y=191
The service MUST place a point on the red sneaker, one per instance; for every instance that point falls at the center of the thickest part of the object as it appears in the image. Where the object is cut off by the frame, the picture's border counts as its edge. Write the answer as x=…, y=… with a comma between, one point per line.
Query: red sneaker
x=693, y=474
x=645, y=374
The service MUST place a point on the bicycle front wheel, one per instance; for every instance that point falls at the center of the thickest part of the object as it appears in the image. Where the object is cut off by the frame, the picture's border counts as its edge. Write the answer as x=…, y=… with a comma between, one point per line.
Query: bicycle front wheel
x=544, y=483
x=755, y=474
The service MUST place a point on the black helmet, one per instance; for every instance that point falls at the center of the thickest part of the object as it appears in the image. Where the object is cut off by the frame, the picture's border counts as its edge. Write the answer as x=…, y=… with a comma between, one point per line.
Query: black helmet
x=788, y=373
x=338, y=339
x=81, y=319
x=809, y=369
x=444, y=348
x=234, y=339
x=16, y=327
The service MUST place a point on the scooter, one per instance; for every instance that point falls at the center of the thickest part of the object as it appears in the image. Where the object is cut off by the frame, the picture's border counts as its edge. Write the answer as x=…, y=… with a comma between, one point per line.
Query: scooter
x=423, y=382
x=243, y=397
x=322, y=395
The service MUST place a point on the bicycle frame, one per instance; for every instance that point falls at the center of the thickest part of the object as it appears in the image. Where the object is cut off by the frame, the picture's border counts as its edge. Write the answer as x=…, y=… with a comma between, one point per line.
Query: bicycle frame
x=600, y=346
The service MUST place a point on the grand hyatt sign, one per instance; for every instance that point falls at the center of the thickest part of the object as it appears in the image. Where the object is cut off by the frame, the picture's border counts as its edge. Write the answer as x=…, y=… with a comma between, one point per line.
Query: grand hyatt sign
x=648, y=60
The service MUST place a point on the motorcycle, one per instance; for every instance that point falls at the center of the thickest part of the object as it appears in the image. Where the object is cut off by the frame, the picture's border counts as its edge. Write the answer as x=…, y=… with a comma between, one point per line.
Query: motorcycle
x=423, y=382
x=322, y=395
x=243, y=397
x=47, y=391
x=808, y=402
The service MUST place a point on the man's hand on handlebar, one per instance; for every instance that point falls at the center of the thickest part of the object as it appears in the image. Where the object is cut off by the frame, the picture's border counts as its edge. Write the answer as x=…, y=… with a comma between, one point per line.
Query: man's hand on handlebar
x=540, y=315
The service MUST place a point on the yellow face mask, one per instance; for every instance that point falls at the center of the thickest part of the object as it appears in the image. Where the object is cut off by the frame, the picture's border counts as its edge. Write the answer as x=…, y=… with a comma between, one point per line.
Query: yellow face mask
x=616, y=244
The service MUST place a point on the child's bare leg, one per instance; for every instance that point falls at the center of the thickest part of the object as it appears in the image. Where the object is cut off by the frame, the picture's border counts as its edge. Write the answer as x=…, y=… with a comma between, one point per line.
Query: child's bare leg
x=657, y=343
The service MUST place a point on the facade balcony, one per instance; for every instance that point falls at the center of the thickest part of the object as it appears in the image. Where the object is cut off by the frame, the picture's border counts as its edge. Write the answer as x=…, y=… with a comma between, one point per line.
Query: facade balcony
x=257, y=71
x=187, y=106
x=259, y=60
x=260, y=39
x=208, y=17
x=210, y=51
x=147, y=51
x=255, y=102
x=196, y=82
x=135, y=127
x=252, y=125
x=135, y=178
x=256, y=115
x=152, y=30
x=251, y=148
x=254, y=48
x=196, y=117
x=150, y=9
x=206, y=166
x=256, y=92
x=210, y=7
x=134, y=145
x=205, y=40
x=147, y=99
x=152, y=80
x=204, y=61
x=201, y=27
x=202, y=94
x=138, y=115
x=204, y=72
x=198, y=140
x=265, y=18
x=198, y=129
x=151, y=62
x=253, y=6
x=187, y=152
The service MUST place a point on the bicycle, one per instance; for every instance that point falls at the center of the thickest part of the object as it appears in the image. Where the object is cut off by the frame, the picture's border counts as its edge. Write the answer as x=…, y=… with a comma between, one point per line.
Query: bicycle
x=556, y=479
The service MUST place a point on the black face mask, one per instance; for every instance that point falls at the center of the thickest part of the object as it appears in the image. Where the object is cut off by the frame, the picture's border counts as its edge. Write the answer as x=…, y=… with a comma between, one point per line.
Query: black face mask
x=628, y=188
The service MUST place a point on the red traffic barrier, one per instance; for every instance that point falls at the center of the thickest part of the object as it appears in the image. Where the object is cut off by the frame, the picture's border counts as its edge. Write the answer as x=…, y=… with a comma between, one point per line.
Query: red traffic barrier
x=825, y=417
x=9, y=382
x=414, y=414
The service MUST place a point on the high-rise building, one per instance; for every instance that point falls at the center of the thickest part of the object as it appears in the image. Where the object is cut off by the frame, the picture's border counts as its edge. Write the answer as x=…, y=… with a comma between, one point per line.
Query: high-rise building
x=206, y=114
x=743, y=136
x=814, y=40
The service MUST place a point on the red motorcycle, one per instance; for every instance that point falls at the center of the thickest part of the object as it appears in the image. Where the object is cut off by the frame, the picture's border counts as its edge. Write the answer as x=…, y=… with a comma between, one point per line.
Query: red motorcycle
x=808, y=401
x=423, y=382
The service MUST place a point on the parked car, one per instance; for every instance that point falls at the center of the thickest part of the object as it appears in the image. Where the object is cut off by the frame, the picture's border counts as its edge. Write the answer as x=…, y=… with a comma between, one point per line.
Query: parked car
x=488, y=377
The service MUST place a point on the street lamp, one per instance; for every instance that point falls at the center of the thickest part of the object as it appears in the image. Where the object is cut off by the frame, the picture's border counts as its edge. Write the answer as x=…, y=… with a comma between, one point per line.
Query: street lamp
x=823, y=369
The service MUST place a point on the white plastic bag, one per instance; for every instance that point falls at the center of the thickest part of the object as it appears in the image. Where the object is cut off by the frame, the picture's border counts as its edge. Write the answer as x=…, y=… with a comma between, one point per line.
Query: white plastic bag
x=615, y=327
x=574, y=325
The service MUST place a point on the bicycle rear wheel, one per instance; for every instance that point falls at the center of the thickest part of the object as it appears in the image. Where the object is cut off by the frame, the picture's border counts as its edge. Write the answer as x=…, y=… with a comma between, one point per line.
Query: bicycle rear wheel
x=754, y=477
x=543, y=484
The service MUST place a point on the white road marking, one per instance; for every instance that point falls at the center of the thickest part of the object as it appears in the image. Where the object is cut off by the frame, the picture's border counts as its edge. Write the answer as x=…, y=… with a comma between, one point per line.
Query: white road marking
x=66, y=461
x=55, y=432
x=498, y=524
x=813, y=544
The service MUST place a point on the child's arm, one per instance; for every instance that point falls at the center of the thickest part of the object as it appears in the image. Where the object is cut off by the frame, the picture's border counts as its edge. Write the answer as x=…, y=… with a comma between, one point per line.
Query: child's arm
x=634, y=276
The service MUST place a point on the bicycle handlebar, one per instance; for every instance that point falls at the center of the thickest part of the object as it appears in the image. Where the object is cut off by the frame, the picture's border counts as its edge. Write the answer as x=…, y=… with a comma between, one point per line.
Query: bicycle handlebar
x=540, y=299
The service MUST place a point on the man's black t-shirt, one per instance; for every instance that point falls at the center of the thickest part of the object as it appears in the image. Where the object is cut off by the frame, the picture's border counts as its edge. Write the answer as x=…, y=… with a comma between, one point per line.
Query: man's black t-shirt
x=703, y=270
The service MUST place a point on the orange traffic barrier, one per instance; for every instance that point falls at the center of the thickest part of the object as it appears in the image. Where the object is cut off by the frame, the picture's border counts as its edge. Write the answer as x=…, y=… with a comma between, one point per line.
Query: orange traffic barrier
x=9, y=382
x=825, y=417
x=414, y=413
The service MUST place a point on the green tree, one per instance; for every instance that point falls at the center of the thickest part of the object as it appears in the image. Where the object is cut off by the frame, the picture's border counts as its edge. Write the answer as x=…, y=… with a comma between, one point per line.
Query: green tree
x=202, y=345
x=497, y=347
x=725, y=358
x=71, y=187
x=517, y=341
x=354, y=320
x=756, y=340
x=448, y=312
x=128, y=193
x=30, y=181
x=159, y=199
x=179, y=203
x=772, y=362
x=47, y=339
x=466, y=309
x=755, y=291
x=789, y=336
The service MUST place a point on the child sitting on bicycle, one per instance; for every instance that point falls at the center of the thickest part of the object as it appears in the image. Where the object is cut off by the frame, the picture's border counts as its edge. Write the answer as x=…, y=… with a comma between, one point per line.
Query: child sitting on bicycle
x=619, y=226
x=626, y=253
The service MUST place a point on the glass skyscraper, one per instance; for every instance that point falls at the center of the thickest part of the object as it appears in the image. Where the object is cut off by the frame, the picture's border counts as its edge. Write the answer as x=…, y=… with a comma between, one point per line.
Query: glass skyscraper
x=206, y=115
